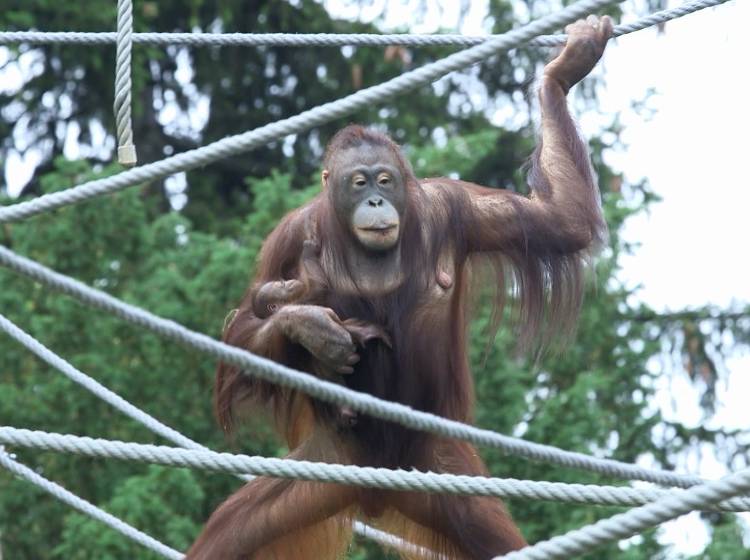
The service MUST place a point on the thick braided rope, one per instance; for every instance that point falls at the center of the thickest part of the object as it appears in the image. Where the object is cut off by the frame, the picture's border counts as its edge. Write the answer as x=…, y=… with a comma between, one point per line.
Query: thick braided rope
x=595, y=2
x=368, y=477
x=157, y=427
x=334, y=393
x=656, y=18
x=233, y=145
x=635, y=521
x=328, y=39
x=85, y=507
x=111, y=398
x=125, y=149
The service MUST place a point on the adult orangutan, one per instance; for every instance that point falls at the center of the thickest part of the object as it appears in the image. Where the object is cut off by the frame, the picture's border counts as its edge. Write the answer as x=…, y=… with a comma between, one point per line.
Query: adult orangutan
x=397, y=252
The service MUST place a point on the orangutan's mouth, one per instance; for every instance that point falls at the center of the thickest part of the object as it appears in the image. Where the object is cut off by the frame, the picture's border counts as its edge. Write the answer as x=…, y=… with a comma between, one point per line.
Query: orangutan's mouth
x=379, y=229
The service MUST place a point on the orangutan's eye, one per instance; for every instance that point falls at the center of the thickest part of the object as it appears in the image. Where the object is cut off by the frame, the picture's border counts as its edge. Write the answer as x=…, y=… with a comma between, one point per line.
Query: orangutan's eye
x=273, y=307
x=359, y=181
x=384, y=180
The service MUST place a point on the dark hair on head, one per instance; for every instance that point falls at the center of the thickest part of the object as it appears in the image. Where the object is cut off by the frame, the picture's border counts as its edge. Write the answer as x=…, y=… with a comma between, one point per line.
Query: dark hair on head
x=357, y=136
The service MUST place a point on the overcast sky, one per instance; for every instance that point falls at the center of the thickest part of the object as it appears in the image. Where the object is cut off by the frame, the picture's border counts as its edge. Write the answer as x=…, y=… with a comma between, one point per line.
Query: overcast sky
x=693, y=151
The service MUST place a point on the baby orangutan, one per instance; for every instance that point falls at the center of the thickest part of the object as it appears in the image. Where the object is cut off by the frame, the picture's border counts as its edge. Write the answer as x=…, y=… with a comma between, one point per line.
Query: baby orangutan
x=271, y=296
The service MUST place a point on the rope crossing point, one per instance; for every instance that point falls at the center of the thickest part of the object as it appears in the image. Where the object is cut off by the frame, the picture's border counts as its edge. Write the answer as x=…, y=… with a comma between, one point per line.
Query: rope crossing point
x=366, y=477
x=325, y=39
x=117, y=402
x=636, y=520
x=237, y=144
x=332, y=392
x=96, y=388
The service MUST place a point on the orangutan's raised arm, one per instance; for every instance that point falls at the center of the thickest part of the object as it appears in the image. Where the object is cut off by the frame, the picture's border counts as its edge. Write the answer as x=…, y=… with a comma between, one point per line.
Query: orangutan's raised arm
x=562, y=215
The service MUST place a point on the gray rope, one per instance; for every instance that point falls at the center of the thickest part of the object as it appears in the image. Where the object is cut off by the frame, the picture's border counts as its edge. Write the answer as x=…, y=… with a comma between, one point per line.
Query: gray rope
x=157, y=427
x=95, y=387
x=85, y=507
x=392, y=541
x=334, y=393
x=367, y=477
x=233, y=145
x=126, y=154
x=274, y=372
x=636, y=520
x=328, y=39
x=656, y=18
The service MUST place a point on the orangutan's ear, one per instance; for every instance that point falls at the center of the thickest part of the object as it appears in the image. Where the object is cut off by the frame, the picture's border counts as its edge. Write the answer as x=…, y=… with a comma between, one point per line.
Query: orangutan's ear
x=324, y=178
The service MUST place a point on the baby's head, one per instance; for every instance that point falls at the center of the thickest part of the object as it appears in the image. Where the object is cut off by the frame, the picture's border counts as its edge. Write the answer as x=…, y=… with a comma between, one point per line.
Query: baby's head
x=270, y=296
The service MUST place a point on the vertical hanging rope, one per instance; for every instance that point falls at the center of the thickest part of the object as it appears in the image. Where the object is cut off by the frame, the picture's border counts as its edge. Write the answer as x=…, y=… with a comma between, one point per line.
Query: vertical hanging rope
x=125, y=149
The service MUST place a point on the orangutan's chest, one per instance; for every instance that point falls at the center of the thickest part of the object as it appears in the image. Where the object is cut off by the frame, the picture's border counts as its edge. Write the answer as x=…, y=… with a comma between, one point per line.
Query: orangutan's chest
x=436, y=286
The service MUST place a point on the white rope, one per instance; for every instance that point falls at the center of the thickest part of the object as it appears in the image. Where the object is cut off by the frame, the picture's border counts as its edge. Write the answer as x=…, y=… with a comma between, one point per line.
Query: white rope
x=327, y=39
x=635, y=521
x=126, y=154
x=85, y=507
x=234, y=145
x=392, y=541
x=350, y=104
x=367, y=477
x=154, y=425
x=334, y=393
x=687, y=500
x=96, y=388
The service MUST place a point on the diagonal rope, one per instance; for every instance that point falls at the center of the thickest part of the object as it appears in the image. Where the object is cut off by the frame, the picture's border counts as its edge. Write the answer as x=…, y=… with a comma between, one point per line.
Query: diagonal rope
x=648, y=515
x=154, y=425
x=327, y=39
x=389, y=540
x=406, y=82
x=636, y=520
x=85, y=507
x=650, y=20
x=367, y=477
x=234, y=145
x=96, y=388
x=334, y=393
x=123, y=87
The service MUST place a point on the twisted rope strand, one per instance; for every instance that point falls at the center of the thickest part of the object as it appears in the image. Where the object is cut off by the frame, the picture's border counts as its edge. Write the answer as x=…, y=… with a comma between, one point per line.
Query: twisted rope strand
x=334, y=393
x=126, y=154
x=85, y=507
x=368, y=477
x=637, y=520
x=327, y=39
x=234, y=145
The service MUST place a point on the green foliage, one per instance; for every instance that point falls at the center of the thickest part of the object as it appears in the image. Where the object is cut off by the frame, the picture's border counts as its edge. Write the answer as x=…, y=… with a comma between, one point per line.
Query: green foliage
x=592, y=398
x=272, y=197
x=72, y=88
x=159, y=499
x=163, y=264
